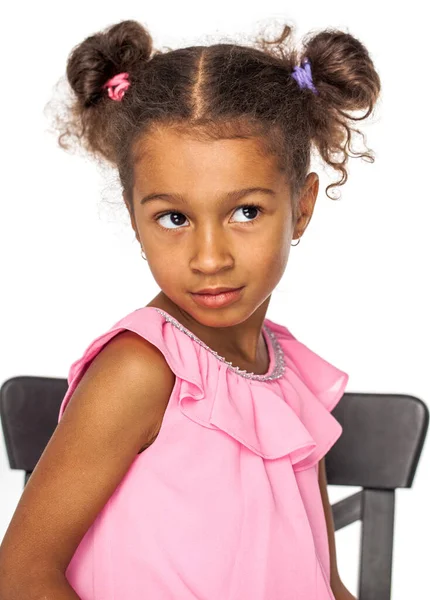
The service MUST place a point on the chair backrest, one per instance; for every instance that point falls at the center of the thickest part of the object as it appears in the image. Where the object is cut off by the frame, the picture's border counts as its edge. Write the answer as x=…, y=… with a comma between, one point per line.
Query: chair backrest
x=379, y=450
x=29, y=408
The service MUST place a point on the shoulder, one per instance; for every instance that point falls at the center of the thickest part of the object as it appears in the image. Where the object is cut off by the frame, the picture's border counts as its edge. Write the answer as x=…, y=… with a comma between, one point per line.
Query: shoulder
x=127, y=382
x=133, y=351
x=130, y=366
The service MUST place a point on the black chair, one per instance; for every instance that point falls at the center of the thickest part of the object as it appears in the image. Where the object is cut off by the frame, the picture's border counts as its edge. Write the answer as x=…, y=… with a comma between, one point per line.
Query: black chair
x=383, y=436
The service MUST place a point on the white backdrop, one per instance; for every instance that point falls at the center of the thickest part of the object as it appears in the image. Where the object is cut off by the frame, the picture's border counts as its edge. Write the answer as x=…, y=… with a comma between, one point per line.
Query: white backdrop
x=354, y=290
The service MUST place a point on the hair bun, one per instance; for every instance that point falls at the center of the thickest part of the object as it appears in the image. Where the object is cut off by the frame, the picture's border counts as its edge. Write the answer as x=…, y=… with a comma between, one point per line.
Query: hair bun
x=119, y=48
x=343, y=70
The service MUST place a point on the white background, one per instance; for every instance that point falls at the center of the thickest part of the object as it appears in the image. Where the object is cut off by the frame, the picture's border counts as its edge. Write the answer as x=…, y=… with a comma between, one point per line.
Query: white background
x=355, y=290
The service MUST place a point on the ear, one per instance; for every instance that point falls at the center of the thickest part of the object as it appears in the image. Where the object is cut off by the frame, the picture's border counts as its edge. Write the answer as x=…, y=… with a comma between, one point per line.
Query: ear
x=306, y=204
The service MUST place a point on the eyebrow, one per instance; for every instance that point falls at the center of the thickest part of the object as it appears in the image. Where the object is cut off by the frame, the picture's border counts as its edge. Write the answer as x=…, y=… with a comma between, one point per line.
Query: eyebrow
x=233, y=195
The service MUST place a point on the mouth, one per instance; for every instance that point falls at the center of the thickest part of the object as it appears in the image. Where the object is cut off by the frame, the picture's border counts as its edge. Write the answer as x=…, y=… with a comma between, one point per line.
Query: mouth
x=215, y=291
x=217, y=297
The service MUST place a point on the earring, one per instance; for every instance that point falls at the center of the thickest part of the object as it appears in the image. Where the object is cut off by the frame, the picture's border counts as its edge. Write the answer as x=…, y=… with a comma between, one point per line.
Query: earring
x=143, y=256
x=297, y=243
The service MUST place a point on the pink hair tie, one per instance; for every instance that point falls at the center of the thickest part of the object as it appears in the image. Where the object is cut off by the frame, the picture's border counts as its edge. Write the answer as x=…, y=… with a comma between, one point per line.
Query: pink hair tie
x=117, y=86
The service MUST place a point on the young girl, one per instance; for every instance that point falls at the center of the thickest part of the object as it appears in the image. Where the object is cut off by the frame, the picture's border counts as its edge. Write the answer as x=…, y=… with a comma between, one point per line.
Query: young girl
x=188, y=461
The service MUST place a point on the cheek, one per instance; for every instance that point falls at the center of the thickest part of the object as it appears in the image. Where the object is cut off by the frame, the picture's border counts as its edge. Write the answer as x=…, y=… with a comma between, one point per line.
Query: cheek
x=283, y=253
x=265, y=264
x=273, y=265
x=273, y=258
x=274, y=250
x=167, y=266
x=165, y=271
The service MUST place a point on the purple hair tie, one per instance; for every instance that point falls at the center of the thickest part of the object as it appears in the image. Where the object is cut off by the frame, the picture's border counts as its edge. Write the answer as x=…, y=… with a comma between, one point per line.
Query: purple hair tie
x=303, y=76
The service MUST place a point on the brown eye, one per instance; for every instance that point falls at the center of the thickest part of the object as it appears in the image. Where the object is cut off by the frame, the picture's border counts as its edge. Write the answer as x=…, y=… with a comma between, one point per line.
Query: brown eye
x=251, y=212
x=174, y=218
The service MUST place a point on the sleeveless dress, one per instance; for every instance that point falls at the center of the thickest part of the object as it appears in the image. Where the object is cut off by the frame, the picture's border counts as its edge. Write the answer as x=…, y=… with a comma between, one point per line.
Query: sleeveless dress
x=225, y=503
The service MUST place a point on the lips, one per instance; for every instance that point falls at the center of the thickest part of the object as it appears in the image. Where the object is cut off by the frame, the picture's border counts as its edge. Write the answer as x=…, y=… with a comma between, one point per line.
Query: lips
x=215, y=298
x=214, y=291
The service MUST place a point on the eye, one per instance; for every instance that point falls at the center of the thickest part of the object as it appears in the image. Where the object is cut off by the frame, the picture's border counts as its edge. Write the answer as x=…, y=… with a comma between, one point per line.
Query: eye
x=176, y=218
x=249, y=210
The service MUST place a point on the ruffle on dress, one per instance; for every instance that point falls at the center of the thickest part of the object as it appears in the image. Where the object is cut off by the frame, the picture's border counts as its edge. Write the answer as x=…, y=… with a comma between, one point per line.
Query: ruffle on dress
x=289, y=415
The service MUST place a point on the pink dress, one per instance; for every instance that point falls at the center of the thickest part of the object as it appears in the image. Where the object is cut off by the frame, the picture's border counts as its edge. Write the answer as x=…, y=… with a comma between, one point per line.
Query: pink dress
x=225, y=504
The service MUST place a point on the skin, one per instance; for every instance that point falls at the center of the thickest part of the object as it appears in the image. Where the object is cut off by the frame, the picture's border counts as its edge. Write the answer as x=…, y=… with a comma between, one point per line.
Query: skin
x=207, y=240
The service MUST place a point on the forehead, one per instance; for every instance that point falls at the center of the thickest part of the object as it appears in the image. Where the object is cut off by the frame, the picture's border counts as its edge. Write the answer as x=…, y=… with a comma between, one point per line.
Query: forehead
x=170, y=158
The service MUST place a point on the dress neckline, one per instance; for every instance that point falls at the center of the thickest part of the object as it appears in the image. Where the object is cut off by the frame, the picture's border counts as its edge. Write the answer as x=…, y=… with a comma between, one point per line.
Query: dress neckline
x=276, y=354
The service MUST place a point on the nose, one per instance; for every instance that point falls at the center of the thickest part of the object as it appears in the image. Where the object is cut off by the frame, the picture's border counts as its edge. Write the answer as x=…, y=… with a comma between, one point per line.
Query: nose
x=211, y=251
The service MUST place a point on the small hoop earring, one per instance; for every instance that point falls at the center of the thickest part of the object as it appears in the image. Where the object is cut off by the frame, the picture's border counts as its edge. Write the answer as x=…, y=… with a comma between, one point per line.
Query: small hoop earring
x=297, y=243
x=143, y=256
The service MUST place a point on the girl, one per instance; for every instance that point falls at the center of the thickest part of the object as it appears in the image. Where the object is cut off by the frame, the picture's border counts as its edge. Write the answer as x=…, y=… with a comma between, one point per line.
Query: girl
x=188, y=461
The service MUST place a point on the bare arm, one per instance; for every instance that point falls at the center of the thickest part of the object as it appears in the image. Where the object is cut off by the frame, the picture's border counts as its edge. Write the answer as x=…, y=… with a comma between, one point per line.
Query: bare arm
x=117, y=406
x=339, y=590
x=54, y=587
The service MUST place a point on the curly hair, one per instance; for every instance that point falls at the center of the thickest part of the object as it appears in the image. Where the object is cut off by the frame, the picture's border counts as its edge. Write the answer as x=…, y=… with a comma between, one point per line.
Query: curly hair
x=219, y=91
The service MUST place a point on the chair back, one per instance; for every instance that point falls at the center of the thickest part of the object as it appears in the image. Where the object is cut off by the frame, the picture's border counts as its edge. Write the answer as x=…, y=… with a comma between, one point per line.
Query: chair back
x=379, y=449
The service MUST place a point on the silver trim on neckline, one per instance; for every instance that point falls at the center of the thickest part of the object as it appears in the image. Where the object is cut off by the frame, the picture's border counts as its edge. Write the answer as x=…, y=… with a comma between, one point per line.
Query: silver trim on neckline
x=278, y=352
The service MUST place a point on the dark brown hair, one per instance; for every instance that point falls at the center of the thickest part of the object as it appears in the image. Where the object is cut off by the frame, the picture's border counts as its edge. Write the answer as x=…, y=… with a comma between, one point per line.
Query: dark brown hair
x=220, y=91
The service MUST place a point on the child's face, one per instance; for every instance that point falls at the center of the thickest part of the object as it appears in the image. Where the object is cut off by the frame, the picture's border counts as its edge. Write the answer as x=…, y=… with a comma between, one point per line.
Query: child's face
x=209, y=241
